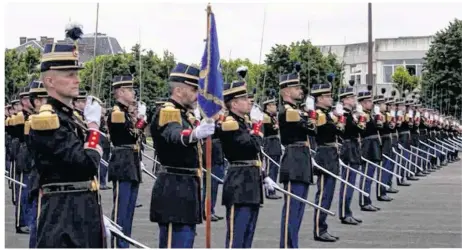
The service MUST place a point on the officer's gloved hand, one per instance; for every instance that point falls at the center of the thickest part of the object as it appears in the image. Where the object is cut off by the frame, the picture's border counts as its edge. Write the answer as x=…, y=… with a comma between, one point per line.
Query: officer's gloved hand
x=141, y=110
x=269, y=183
x=92, y=111
x=205, y=129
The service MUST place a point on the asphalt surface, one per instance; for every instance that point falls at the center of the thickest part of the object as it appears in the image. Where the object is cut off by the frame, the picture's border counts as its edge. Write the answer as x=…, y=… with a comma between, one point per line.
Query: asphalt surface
x=427, y=214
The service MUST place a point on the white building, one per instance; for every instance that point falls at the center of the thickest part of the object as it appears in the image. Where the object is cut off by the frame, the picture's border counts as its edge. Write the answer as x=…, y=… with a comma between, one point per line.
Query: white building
x=388, y=53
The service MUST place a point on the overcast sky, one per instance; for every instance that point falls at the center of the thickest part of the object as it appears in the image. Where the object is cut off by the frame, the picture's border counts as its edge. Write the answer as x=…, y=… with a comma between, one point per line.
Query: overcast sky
x=181, y=27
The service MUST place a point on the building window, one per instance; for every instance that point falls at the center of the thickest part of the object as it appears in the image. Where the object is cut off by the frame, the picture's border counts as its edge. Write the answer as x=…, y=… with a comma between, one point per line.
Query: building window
x=387, y=73
x=358, y=79
x=374, y=79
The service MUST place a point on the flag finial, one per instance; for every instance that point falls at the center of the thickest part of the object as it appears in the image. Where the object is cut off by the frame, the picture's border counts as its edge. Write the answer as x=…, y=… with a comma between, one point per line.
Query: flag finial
x=209, y=8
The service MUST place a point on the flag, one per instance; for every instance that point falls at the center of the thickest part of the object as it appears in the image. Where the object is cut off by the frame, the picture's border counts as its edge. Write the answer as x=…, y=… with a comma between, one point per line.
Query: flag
x=210, y=98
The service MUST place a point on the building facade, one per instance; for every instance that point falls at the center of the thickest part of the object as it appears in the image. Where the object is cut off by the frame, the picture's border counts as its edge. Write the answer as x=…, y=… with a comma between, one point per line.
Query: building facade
x=388, y=54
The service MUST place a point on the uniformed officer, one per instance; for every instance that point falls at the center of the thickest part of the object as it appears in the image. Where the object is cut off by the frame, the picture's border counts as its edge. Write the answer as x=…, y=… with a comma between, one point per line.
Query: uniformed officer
x=271, y=140
x=370, y=146
x=350, y=153
x=392, y=107
x=415, y=135
x=329, y=124
x=412, y=138
x=8, y=139
x=296, y=167
x=242, y=188
x=103, y=169
x=176, y=200
x=67, y=160
x=23, y=163
x=14, y=148
x=387, y=144
x=124, y=166
x=38, y=97
x=404, y=125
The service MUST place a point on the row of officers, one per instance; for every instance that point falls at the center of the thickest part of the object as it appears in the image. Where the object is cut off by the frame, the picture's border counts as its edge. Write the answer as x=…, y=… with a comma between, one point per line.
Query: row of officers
x=58, y=142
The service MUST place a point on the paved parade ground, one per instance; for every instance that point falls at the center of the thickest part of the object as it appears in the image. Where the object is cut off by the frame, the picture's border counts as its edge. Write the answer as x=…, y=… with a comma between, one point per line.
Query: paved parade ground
x=427, y=214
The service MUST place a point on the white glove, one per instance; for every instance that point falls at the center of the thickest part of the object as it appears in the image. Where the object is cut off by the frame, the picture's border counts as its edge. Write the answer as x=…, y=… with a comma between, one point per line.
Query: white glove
x=400, y=113
x=141, y=110
x=359, y=109
x=426, y=114
x=393, y=113
x=269, y=183
x=431, y=117
x=411, y=113
x=309, y=102
x=376, y=109
x=204, y=130
x=256, y=114
x=197, y=113
x=92, y=111
x=417, y=115
x=339, y=109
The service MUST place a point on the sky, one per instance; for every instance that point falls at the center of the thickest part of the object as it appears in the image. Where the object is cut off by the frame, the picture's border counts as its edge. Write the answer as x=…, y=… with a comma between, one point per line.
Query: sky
x=181, y=27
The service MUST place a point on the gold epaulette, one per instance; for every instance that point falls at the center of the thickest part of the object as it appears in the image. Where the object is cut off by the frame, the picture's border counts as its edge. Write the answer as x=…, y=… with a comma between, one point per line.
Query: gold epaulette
x=45, y=120
x=27, y=125
x=321, y=120
x=7, y=121
x=266, y=118
x=117, y=116
x=19, y=120
x=406, y=118
x=12, y=120
x=292, y=115
x=168, y=113
x=230, y=124
x=389, y=117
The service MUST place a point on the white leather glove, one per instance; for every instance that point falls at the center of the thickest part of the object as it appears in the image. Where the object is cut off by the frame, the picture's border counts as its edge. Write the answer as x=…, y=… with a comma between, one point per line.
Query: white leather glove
x=411, y=113
x=92, y=111
x=393, y=113
x=256, y=114
x=426, y=114
x=269, y=183
x=400, y=113
x=359, y=109
x=431, y=117
x=339, y=109
x=197, y=113
x=376, y=109
x=141, y=110
x=309, y=102
x=417, y=115
x=204, y=130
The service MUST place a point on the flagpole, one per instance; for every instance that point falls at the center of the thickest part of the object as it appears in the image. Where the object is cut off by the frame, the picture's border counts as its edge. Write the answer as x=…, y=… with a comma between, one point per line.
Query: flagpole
x=208, y=163
x=94, y=52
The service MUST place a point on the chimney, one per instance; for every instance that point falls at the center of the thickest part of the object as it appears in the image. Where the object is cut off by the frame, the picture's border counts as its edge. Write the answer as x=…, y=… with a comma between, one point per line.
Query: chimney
x=43, y=40
x=50, y=40
x=22, y=40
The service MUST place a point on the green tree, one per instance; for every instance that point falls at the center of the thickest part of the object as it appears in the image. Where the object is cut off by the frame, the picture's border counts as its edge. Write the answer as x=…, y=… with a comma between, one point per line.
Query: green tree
x=442, y=80
x=20, y=69
x=401, y=79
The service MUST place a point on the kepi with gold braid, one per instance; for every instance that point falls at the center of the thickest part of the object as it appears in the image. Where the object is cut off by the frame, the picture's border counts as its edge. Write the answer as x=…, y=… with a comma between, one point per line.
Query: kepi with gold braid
x=233, y=90
x=186, y=74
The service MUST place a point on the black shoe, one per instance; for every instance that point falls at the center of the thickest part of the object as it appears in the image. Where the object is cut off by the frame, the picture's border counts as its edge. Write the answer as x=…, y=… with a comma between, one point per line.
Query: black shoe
x=214, y=218
x=392, y=190
x=384, y=198
x=349, y=221
x=219, y=217
x=105, y=188
x=22, y=230
x=336, y=238
x=358, y=220
x=273, y=197
x=426, y=172
x=444, y=164
x=325, y=237
x=377, y=208
x=404, y=184
x=369, y=208
x=420, y=174
x=412, y=178
x=139, y=205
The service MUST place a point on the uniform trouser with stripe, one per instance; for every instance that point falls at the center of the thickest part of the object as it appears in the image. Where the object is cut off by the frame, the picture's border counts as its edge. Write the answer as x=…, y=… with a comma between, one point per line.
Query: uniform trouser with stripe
x=241, y=221
x=366, y=183
x=273, y=170
x=33, y=224
x=346, y=192
x=292, y=214
x=23, y=206
x=405, y=164
x=217, y=170
x=324, y=196
x=125, y=194
x=384, y=177
x=176, y=235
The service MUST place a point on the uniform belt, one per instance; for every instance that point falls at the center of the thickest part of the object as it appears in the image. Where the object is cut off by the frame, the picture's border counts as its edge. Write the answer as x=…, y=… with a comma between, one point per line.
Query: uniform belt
x=405, y=132
x=371, y=137
x=272, y=136
x=70, y=187
x=245, y=163
x=385, y=135
x=351, y=140
x=181, y=171
x=134, y=147
x=298, y=144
